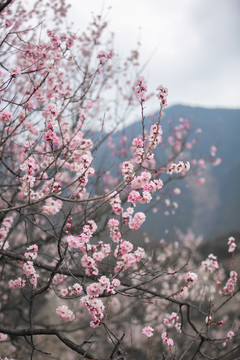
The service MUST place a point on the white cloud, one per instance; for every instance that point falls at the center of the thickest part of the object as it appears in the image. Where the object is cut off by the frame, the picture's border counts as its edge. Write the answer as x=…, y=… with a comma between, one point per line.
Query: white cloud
x=196, y=43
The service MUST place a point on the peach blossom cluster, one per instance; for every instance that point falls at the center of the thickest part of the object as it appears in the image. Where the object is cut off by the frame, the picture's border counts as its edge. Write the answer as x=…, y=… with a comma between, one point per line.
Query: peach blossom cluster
x=6, y=116
x=58, y=278
x=95, y=307
x=103, y=285
x=210, y=264
x=116, y=204
x=140, y=88
x=148, y=331
x=136, y=221
x=229, y=288
x=155, y=137
x=172, y=321
x=51, y=206
x=178, y=168
x=232, y=245
x=31, y=253
x=71, y=290
x=162, y=95
x=3, y=337
x=137, y=150
x=65, y=313
x=166, y=339
x=113, y=225
x=6, y=225
x=129, y=259
x=16, y=284
x=103, y=56
x=127, y=170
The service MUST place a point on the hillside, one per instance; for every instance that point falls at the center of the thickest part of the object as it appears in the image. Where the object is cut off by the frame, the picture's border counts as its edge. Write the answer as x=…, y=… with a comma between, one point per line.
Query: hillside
x=214, y=208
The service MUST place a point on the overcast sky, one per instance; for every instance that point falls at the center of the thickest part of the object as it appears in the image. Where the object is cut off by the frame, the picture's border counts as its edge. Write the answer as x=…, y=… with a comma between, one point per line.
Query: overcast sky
x=195, y=45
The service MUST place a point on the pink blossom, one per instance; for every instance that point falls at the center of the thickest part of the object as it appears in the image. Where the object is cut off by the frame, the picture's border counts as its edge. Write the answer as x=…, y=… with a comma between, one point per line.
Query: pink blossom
x=230, y=334
x=34, y=279
x=158, y=184
x=148, y=331
x=64, y=292
x=16, y=284
x=155, y=136
x=32, y=252
x=95, y=307
x=139, y=253
x=77, y=288
x=50, y=111
x=51, y=137
x=136, y=183
x=51, y=206
x=217, y=162
x=166, y=339
x=201, y=181
x=3, y=337
x=127, y=169
x=94, y=289
x=188, y=146
x=129, y=260
x=9, y=23
x=146, y=197
x=213, y=150
x=178, y=168
x=137, y=221
x=140, y=88
x=191, y=278
x=170, y=342
x=28, y=268
x=123, y=248
x=201, y=163
x=137, y=143
x=177, y=191
x=210, y=264
x=232, y=244
x=90, y=228
x=65, y=313
x=172, y=321
x=162, y=92
x=103, y=56
x=134, y=197
x=116, y=282
x=208, y=319
x=30, y=165
x=115, y=203
x=187, y=166
x=114, y=230
x=229, y=288
x=73, y=241
x=89, y=264
x=6, y=116
x=3, y=235
x=89, y=104
x=15, y=71
x=58, y=278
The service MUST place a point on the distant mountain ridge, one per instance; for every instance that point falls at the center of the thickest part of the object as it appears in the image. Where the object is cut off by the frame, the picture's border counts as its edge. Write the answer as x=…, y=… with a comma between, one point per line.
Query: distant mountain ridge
x=214, y=208
x=220, y=127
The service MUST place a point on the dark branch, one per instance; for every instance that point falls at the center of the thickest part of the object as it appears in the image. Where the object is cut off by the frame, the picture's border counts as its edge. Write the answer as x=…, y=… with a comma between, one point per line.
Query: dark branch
x=58, y=333
x=4, y=4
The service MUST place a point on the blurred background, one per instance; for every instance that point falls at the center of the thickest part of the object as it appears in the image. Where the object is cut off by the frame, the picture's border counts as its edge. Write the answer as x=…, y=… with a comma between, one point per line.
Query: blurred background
x=192, y=48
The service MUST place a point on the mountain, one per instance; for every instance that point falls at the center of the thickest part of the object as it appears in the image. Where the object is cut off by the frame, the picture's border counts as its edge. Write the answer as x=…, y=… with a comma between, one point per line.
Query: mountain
x=214, y=208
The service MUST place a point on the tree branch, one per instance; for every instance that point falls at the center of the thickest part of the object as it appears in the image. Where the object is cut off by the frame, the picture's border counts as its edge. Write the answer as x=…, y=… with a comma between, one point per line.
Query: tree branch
x=4, y=4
